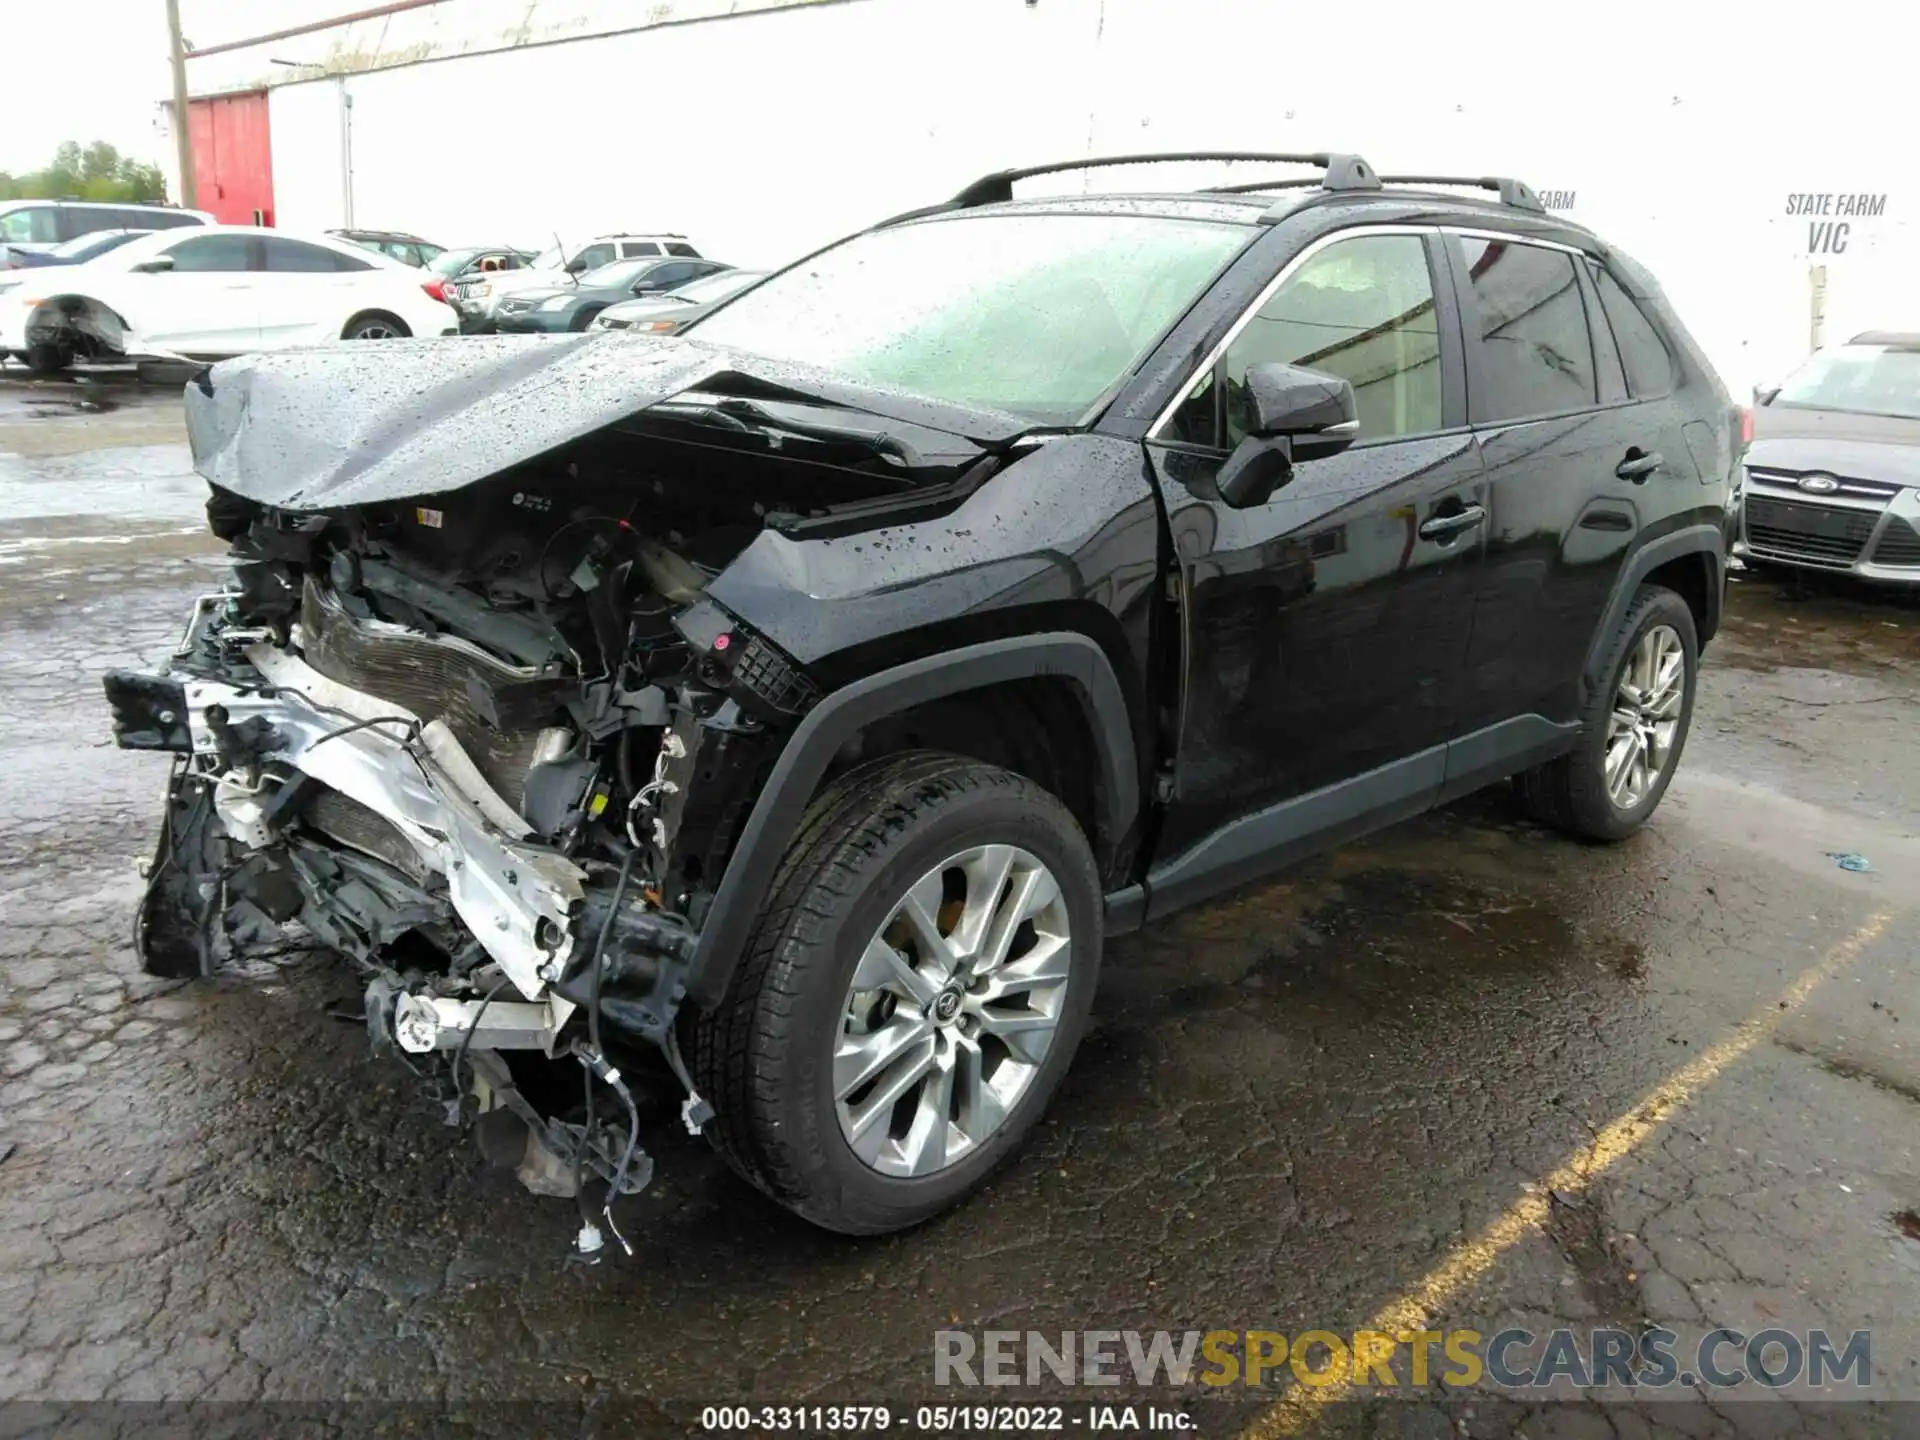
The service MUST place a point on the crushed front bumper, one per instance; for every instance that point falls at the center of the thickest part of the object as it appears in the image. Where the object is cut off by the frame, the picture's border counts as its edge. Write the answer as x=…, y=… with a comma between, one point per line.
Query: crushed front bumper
x=516, y=897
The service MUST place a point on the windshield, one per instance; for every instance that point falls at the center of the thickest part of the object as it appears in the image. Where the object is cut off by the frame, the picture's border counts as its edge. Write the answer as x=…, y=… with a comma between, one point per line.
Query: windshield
x=85, y=247
x=551, y=258
x=617, y=273
x=1039, y=315
x=452, y=262
x=1863, y=379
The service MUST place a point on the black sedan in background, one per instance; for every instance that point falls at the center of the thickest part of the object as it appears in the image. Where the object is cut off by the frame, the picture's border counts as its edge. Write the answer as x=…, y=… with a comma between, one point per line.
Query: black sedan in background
x=76, y=251
x=573, y=307
x=1833, y=476
x=676, y=309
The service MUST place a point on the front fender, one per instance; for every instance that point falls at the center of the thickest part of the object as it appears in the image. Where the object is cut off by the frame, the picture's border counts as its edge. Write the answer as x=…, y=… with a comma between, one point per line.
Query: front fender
x=841, y=715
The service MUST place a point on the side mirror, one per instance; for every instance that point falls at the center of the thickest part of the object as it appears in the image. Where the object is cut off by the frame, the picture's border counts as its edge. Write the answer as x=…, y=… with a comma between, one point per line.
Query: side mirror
x=1293, y=414
x=1763, y=394
x=576, y=267
x=159, y=265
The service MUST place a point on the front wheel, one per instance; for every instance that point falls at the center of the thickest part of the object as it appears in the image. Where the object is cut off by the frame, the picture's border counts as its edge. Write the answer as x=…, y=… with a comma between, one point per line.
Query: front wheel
x=1634, y=728
x=49, y=357
x=912, y=996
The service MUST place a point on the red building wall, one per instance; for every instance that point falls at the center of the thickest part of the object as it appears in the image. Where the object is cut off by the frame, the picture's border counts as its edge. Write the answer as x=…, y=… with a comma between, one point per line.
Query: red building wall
x=233, y=157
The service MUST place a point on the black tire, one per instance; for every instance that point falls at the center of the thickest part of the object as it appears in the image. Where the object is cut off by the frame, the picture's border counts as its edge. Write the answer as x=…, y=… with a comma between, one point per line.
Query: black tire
x=1570, y=793
x=585, y=318
x=49, y=357
x=764, y=1055
x=375, y=325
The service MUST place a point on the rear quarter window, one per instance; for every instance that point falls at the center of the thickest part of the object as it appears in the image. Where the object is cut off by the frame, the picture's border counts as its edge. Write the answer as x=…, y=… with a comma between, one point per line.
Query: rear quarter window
x=1643, y=354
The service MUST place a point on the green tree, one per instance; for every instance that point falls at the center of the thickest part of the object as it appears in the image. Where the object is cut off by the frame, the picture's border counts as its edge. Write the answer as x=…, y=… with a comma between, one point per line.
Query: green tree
x=99, y=161
x=94, y=172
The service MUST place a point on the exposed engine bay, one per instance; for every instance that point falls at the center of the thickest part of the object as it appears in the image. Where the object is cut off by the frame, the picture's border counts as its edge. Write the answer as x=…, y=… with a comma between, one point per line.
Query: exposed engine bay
x=492, y=746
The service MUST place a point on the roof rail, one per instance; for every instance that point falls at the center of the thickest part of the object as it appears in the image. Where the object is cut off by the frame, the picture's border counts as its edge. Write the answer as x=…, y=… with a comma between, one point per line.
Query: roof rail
x=1341, y=172
x=1260, y=187
x=1515, y=193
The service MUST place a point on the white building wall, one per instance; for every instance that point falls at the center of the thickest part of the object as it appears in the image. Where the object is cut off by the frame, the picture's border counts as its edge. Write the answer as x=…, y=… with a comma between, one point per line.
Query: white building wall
x=1679, y=131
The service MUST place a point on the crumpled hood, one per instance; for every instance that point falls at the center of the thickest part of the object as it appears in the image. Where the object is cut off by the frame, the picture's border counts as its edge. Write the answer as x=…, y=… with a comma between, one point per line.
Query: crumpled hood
x=367, y=422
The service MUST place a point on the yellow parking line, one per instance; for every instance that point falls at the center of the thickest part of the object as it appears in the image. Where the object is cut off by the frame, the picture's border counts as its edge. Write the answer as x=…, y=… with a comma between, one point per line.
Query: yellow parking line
x=1478, y=1254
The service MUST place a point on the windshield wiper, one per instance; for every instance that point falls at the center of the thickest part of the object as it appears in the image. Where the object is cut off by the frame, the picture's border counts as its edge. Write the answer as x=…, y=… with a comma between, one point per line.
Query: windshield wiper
x=744, y=415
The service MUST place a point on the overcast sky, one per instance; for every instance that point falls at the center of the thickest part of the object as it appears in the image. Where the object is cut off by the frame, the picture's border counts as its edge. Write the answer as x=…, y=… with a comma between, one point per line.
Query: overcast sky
x=97, y=69
x=100, y=71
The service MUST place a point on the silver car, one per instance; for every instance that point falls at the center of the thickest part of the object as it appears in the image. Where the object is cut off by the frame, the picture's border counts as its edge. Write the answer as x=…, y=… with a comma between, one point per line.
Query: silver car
x=1833, y=477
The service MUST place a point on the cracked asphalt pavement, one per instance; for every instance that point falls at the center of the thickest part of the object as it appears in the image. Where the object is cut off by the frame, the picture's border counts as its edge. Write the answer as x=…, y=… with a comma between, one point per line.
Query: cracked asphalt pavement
x=1294, y=1105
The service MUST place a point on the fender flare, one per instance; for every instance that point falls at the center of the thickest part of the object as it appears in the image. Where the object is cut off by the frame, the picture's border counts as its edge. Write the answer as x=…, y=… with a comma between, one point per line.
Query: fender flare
x=783, y=800
x=1703, y=539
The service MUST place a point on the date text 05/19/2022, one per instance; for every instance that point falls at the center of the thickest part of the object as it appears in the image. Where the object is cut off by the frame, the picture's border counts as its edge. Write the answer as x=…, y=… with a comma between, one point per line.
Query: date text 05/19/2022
x=944, y=1419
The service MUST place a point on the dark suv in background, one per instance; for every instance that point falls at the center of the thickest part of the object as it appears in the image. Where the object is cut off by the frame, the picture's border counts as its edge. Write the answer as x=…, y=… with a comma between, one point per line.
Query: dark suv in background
x=808, y=696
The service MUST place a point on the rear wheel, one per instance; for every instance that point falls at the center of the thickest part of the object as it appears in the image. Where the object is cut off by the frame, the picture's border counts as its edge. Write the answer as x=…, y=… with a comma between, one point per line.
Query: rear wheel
x=912, y=996
x=375, y=325
x=1634, y=728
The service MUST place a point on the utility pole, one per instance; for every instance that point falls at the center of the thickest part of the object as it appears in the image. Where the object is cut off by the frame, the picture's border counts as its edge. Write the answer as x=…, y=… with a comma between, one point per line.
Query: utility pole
x=1817, y=307
x=182, y=138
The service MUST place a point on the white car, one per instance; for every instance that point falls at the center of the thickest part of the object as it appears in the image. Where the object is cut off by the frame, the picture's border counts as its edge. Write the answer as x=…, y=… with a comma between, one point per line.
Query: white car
x=478, y=297
x=211, y=292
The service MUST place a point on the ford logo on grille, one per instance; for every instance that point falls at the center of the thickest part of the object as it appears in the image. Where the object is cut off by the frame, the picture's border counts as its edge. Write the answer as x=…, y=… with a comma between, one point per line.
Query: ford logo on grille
x=1819, y=484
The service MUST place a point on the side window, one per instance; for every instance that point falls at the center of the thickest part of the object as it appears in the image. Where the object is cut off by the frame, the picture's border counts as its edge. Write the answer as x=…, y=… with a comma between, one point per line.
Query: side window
x=630, y=248
x=214, y=252
x=1530, y=327
x=73, y=221
x=165, y=220
x=36, y=224
x=285, y=256
x=680, y=247
x=665, y=277
x=594, y=256
x=1649, y=366
x=1361, y=309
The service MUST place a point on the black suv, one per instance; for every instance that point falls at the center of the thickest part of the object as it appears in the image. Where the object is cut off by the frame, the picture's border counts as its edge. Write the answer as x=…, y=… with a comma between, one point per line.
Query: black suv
x=791, y=709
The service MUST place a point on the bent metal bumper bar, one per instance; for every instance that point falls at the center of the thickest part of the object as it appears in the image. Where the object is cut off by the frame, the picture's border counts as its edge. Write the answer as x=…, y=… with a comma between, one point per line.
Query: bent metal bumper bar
x=517, y=898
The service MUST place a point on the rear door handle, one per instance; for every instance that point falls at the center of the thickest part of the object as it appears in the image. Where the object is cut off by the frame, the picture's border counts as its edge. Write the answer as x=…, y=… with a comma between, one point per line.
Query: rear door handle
x=1637, y=467
x=1445, y=527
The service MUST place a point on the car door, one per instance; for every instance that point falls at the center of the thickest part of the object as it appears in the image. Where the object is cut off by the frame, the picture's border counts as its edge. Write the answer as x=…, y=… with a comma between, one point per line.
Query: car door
x=1323, y=633
x=1572, y=463
x=202, y=300
x=307, y=292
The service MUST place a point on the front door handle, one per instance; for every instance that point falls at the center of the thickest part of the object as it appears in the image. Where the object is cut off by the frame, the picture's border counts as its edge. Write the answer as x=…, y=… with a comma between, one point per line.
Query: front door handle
x=1637, y=467
x=1444, y=527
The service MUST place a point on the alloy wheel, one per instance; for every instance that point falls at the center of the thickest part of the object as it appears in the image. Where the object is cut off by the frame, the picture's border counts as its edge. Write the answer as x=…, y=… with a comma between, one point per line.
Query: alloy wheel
x=1646, y=716
x=951, y=1010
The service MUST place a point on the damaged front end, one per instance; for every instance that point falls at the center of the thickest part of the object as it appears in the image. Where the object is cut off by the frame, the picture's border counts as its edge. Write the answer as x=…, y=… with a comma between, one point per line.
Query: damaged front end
x=490, y=741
